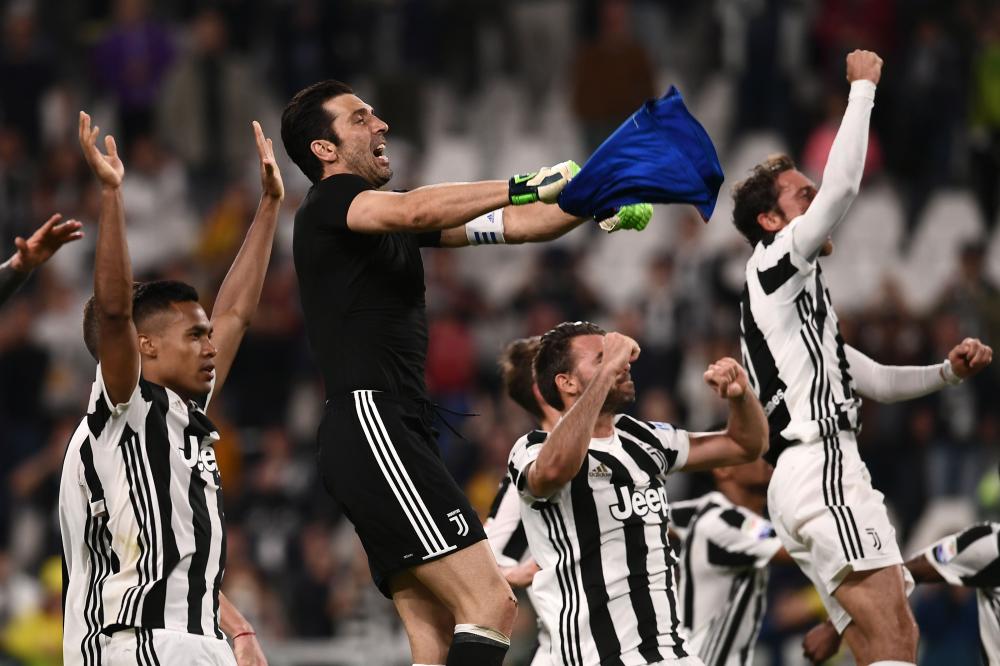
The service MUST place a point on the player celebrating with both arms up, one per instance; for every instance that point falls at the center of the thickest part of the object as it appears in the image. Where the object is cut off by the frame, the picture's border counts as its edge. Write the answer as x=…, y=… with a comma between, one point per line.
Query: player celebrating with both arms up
x=140, y=497
x=822, y=503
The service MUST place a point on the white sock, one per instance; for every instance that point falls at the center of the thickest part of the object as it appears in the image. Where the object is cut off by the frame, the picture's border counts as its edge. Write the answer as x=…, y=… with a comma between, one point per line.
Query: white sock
x=892, y=663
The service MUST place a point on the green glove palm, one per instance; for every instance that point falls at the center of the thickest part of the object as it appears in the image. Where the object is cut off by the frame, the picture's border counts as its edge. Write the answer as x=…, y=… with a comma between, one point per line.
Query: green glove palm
x=631, y=216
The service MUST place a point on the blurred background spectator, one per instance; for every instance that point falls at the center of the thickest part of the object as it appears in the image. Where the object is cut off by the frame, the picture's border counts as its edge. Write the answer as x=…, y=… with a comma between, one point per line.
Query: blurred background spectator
x=485, y=89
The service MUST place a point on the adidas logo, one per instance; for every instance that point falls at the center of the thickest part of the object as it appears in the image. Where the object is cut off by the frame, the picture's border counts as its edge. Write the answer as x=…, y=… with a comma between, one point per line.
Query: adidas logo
x=600, y=472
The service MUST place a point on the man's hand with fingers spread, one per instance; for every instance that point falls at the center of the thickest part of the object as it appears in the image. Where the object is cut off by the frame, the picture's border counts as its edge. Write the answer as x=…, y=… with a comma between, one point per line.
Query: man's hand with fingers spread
x=728, y=379
x=270, y=174
x=108, y=168
x=969, y=357
x=41, y=245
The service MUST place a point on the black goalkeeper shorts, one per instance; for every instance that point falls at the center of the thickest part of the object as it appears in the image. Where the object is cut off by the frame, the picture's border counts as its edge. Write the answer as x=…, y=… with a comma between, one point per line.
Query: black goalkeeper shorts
x=379, y=459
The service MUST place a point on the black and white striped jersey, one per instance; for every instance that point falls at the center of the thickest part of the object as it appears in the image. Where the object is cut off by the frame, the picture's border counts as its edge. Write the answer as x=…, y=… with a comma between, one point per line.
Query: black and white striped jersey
x=505, y=532
x=725, y=550
x=155, y=459
x=792, y=348
x=606, y=591
x=87, y=556
x=972, y=558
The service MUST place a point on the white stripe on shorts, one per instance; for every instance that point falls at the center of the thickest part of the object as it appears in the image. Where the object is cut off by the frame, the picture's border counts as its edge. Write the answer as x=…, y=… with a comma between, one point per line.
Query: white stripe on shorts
x=397, y=477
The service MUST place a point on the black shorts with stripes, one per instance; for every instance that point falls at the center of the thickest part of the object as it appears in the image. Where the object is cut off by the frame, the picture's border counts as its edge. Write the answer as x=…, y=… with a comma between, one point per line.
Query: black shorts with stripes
x=379, y=459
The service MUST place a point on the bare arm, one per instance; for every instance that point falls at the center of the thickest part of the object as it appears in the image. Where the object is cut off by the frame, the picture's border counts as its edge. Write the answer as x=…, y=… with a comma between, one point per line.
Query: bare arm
x=245, y=646
x=746, y=435
x=922, y=570
x=534, y=223
x=846, y=163
x=449, y=205
x=566, y=448
x=35, y=251
x=239, y=294
x=118, y=347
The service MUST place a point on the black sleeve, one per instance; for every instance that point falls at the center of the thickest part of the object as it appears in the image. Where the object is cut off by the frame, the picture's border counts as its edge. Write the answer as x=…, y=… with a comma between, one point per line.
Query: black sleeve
x=336, y=194
x=429, y=238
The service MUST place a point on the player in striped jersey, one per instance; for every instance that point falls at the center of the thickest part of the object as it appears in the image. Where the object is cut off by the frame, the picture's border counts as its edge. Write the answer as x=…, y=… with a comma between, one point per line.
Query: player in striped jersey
x=146, y=566
x=969, y=558
x=504, y=528
x=726, y=545
x=824, y=508
x=594, y=500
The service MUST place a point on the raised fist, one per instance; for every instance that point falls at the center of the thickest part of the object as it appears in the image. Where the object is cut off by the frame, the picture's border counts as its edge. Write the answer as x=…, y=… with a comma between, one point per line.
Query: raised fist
x=864, y=65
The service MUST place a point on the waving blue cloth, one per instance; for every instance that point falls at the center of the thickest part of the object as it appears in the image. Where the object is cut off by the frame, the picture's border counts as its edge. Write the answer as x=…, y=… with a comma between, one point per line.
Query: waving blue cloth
x=661, y=154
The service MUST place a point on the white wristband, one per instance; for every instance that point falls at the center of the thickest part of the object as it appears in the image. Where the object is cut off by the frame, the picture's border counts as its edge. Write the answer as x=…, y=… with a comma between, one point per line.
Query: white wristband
x=948, y=374
x=486, y=229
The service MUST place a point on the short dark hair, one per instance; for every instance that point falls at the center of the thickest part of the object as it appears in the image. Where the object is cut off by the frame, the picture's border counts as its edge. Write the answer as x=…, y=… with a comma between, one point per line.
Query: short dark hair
x=554, y=357
x=758, y=193
x=518, y=378
x=304, y=120
x=148, y=299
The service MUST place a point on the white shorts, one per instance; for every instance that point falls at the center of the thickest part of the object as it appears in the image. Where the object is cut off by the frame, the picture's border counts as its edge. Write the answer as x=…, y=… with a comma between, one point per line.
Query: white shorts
x=829, y=517
x=165, y=647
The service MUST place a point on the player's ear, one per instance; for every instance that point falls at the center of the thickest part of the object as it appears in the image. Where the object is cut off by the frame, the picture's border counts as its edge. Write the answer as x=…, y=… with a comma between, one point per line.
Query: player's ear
x=771, y=221
x=324, y=150
x=147, y=346
x=567, y=383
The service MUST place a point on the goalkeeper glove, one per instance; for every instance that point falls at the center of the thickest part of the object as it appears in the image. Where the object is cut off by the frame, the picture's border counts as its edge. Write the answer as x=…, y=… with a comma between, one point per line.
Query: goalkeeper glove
x=631, y=216
x=543, y=185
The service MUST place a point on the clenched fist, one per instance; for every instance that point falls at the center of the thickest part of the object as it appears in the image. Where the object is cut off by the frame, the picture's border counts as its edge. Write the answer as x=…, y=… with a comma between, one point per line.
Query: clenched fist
x=728, y=379
x=969, y=357
x=864, y=65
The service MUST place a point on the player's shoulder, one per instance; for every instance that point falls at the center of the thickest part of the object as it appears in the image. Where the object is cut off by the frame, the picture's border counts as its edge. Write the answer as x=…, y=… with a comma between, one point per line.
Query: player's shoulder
x=724, y=515
x=529, y=440
x=643, y=429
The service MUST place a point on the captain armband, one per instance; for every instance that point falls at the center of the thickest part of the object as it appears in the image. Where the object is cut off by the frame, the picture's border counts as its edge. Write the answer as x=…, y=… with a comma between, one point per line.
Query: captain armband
x=486, y=229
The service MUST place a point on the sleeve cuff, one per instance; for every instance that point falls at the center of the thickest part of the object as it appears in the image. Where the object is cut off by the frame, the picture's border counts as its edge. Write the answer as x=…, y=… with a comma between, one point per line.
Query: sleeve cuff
x=862, y=89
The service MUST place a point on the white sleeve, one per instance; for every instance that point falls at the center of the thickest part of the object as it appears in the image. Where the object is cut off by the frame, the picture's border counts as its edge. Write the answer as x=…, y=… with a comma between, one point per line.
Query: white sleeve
x=674, y=444
x=969, y=557
x=119, y=408
x=739, y=539
x=502, y=525
x=842, y=175
x=524, y=453
x=893, y=383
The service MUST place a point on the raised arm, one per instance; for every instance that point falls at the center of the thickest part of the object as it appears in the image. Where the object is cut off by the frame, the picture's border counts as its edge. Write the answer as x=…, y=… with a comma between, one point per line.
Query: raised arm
x=449, y=205
x=118, y=347
x=894, y=383
x=746, y=435
x=35, y=251
x=846, y=163
x=239, y=294
x=566, y=448
x=246, y=649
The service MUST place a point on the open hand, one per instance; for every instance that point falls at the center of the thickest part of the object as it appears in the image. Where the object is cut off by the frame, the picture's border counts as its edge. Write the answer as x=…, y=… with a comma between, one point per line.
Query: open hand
x=728, y=379
x=42, y=244
x=969, y=357
x=108, y=168
x=270, y=175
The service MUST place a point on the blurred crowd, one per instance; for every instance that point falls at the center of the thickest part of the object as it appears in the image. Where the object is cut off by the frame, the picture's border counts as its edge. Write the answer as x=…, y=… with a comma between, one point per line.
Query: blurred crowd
x=475, y=90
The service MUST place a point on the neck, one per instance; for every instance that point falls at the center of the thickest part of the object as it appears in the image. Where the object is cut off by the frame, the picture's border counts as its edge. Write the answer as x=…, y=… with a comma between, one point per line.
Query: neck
x=605, y=426
x=153, y=376
x=741, y=496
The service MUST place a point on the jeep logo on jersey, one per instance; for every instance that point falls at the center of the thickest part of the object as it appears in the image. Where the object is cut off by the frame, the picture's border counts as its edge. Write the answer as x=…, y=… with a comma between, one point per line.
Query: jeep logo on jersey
x=194, y=454
x=639, y=502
